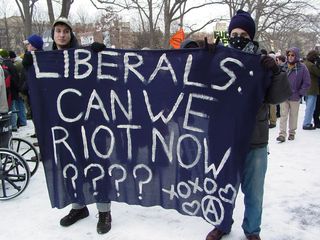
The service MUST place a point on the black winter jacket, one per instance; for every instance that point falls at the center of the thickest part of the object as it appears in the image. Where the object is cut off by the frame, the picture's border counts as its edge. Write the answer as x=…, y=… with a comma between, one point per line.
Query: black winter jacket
x=15, y=79
x=278, y=91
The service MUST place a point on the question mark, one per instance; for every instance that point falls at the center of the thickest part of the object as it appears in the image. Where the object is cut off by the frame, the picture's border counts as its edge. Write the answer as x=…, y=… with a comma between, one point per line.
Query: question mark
x=94, y=180
x=73, y=178
x=117, y=181
x=136, y=168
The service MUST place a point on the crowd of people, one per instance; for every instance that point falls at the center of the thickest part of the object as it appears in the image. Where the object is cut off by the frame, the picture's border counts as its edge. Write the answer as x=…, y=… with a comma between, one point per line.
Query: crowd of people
x=293, y=82
x=303, y=75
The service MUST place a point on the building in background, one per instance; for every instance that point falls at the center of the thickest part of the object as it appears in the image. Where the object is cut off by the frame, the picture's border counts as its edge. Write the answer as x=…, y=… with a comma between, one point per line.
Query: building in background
x=221, y=30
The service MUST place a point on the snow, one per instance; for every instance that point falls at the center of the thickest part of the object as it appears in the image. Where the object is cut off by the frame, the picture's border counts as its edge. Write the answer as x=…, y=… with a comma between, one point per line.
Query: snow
x=291, y=204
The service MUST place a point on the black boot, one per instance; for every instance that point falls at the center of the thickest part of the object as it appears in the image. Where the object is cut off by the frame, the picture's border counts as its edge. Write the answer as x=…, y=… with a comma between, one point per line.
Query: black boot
x=104, y=223
x=74, y=216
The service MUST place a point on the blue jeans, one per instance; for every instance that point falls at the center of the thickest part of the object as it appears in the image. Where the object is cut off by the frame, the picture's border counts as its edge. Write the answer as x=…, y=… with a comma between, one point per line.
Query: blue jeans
x=311, y=101
x=19, y=106
x=252, y=185
x=14, y=116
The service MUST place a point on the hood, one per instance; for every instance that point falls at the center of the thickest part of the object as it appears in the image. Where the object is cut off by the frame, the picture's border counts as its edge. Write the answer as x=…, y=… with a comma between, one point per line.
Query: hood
x=312, y=56
x=296, y=52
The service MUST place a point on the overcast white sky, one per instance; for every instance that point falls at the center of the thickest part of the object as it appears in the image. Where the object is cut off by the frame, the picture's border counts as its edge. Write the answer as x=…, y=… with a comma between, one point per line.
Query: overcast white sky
x=85, y=8
x=195, y=17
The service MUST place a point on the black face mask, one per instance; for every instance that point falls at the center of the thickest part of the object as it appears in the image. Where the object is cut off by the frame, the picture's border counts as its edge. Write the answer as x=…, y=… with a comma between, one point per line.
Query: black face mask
x=239, y=42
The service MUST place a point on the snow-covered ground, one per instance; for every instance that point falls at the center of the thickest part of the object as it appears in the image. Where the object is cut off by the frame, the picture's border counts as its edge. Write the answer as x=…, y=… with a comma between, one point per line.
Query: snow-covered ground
x=291, y=204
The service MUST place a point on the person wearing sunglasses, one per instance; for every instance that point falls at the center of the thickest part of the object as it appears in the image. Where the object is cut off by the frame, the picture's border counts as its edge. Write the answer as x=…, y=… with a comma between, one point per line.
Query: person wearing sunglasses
x=299, y=78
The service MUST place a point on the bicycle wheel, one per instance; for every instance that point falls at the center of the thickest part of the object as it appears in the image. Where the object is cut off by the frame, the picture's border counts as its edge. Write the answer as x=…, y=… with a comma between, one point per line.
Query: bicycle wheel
x=14, y=174
x=26, y=150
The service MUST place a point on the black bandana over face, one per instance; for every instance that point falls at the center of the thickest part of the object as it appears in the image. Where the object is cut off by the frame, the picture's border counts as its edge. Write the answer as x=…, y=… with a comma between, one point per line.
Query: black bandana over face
x=239, y=42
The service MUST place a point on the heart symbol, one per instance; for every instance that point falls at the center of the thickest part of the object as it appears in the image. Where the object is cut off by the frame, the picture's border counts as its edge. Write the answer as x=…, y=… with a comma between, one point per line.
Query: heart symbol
x=191, y=208
x=229, y=190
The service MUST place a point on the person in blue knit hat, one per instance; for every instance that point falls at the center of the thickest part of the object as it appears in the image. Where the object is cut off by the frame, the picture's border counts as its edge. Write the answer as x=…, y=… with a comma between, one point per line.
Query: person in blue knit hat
x=35, y=42
x=244, y=21
x=32, y=43
x=251, y=177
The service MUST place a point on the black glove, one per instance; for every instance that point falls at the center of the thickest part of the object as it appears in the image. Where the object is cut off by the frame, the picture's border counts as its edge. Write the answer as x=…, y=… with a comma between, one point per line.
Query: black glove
x=27, y=60
x=211, y=47
x=97, y=47
x=270, y=64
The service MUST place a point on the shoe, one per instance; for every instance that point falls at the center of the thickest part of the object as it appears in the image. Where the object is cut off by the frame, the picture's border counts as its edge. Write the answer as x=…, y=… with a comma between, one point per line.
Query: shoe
x=104, y=223
x=253, y=237
x=291, y=137
x=74, y=216
x=272, y=125
x=308, y=127
x=281, y=139
x=215, y=234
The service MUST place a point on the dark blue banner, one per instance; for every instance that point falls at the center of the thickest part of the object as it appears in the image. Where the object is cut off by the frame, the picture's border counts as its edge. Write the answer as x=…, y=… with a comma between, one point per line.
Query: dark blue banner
x=168, y=128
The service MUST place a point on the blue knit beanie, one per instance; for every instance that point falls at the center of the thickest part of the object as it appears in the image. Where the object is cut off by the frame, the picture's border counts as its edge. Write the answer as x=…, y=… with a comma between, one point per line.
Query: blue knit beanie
x=36, y=41
x=244, y=21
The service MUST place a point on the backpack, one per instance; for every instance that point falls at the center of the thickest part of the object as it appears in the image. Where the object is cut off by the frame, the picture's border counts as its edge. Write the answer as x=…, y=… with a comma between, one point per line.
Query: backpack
x=7, y=79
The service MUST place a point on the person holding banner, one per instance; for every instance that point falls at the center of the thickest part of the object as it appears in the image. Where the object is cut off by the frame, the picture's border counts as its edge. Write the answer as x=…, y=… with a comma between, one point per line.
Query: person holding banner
x=32, y=43
x=242, y=31
x=63, y=38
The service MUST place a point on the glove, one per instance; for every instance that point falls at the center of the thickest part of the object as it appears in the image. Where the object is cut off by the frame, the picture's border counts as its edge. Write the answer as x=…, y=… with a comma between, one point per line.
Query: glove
x=211, y=47
x=270, y=64
x=97, y=47
x=27, y=60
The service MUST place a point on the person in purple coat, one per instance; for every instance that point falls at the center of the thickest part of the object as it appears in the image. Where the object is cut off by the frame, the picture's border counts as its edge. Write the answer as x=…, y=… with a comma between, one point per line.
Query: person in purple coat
x=299, y=78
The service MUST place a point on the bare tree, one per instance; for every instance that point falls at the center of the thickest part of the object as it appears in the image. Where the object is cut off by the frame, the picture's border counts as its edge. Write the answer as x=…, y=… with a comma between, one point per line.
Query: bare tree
x=4, y=29
x=65, y=8
x=276, y=20
x=39, y=22
x=177, y=10
x=26, y=8
x=150, y=13
x=50, y=11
